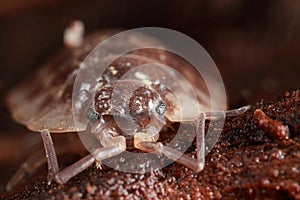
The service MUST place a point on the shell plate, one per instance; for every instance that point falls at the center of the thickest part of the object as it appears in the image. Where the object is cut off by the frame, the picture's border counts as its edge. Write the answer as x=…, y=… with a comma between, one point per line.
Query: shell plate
x=44, y=100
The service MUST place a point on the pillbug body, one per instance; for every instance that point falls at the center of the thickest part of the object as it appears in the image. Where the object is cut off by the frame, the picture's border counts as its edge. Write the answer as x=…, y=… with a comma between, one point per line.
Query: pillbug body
x=44, y=102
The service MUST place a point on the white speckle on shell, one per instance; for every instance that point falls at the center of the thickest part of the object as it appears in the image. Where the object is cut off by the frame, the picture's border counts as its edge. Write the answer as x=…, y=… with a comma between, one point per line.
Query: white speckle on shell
x=82, y=65
x=83, y=96
x=140, y=109
x=147, y=82
x=105, y=105
x=162, y=57
x=157, y=82
x=85, y=87
x=103, y=95
x=99, y=85
x=151, y=105
x=162, y=87
x=140, y=75
x=143, y=77
x=113, y=70
x=96, y=59
x=138, y=101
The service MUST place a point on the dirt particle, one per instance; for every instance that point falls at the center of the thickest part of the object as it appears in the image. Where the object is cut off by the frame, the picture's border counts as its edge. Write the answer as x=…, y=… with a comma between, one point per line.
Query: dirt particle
x=272, y=127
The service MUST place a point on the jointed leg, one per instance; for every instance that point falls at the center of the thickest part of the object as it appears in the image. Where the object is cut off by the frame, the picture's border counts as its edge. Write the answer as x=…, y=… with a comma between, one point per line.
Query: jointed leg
x=233, y=112
x=50, y=155
x=197, y=165
x=194, y=164
x=119, y=145
x=71, y=171
x=37, y=159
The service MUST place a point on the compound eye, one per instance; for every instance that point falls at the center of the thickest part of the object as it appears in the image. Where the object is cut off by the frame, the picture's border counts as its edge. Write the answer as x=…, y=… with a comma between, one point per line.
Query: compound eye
x=92, y=115
x=160, y=108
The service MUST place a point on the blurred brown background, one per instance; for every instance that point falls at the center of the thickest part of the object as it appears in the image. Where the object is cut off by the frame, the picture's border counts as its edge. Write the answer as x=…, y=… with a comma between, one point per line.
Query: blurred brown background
x=254, y=43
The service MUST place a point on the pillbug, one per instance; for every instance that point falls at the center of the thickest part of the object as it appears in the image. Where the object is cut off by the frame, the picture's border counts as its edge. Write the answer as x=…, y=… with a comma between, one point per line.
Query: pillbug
x=44, y=102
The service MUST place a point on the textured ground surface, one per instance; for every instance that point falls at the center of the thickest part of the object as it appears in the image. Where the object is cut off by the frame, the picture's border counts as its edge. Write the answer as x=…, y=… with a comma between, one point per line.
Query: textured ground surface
x=255, y=45
x=246, y=163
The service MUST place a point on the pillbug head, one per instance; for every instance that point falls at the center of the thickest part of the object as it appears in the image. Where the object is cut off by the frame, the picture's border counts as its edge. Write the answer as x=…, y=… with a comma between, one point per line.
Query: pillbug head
x=145, y=105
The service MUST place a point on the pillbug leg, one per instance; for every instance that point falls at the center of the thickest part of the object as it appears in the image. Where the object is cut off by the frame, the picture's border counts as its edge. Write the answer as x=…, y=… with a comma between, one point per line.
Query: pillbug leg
x=71, y=171
x=29, y=166
x=38, y=159
x=233, y=112
x=50, y=155
x=195, y=164
x=118, y=146
x=238, y=111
